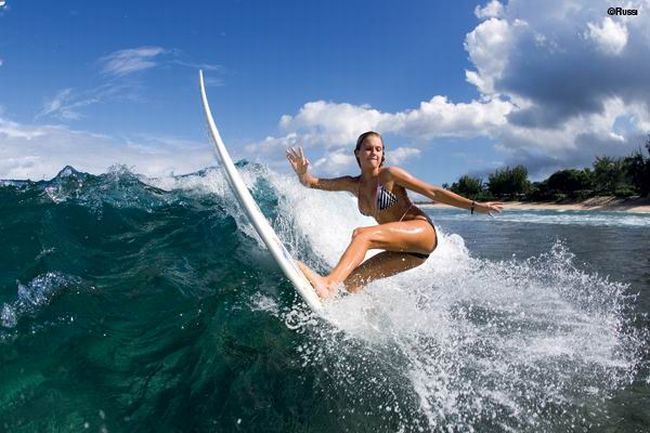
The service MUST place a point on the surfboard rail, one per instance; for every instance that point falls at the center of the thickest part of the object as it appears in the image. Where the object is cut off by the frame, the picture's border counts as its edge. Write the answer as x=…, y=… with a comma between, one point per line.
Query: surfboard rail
x=279, y=252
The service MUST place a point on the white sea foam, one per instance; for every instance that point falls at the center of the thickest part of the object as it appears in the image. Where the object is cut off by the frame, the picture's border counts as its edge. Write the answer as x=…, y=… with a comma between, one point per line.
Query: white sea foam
x=460, y=343
x=480, y=343
x=262, y=302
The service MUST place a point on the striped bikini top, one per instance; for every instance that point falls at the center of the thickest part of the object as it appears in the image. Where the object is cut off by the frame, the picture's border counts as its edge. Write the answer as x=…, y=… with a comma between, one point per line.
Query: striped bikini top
x=385, y=199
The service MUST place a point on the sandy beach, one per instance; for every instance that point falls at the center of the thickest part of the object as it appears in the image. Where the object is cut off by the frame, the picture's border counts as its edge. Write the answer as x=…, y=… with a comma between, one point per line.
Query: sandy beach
x=633, y=205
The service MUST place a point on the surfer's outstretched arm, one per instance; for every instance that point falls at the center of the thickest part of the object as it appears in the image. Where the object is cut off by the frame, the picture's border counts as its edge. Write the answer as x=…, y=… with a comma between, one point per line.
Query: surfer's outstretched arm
x=441, y=195
x=300, y=165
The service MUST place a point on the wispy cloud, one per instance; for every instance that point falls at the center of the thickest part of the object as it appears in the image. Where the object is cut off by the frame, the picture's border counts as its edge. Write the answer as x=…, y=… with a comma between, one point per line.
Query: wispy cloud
x=128, y=61
x=124, y=62
x=68, y=103
x=119, y=80
x=206, y=67
x=211, y=80
x=61, y=106
x=14, y=131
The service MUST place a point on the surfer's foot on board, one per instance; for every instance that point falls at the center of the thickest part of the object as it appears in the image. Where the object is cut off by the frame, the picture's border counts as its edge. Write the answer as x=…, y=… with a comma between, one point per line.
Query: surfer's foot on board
x=324, y=289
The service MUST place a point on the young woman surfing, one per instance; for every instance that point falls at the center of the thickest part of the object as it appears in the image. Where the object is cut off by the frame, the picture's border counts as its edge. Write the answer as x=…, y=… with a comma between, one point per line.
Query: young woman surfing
x=404, y=232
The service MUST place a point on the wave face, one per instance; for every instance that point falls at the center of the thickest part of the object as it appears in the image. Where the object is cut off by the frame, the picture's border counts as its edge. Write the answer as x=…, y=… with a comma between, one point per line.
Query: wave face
x=133, y=304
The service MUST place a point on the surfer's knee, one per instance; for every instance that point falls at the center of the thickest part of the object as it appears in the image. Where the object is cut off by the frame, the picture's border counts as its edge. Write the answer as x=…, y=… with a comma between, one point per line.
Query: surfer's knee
x=358, y=232
x=366, y=236
x=362, y=234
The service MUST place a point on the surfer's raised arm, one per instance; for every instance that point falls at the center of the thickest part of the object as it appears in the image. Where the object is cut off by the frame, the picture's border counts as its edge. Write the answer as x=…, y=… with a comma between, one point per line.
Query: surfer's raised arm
x=300, y=165
x=441, y=195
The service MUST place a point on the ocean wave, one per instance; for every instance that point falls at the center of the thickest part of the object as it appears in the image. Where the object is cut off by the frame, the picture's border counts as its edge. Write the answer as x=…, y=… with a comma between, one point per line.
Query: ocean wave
x=184, y=295
x=34, y=295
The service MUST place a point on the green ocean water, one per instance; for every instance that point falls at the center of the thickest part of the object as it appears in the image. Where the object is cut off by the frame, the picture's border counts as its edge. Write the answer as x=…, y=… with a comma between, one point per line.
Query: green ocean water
x=140, y=305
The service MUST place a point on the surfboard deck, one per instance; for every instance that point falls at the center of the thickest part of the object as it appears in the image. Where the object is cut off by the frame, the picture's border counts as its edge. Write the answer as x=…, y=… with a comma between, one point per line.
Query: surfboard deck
x=279, y=252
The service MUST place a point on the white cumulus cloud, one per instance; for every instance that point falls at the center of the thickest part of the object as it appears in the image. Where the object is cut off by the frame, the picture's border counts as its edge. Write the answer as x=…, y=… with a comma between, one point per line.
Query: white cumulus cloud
x=329, y=130
x=493, y=9
x=610, y=36
x=488, y=46
x=555, y=79
x=336, y=163
x=402, y=154
x=571, y=72
x=341, y=161
x=337, y=125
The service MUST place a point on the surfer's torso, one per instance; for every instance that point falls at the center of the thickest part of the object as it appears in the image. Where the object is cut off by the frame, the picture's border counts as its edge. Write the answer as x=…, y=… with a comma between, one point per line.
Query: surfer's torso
x=385, y=200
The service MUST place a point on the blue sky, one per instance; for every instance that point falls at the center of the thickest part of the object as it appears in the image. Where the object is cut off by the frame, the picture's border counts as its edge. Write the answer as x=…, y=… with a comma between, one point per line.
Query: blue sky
x=456, y=88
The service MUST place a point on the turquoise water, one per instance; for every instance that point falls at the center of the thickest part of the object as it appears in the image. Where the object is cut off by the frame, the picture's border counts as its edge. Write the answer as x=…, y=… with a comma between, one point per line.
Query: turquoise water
x=138, y=305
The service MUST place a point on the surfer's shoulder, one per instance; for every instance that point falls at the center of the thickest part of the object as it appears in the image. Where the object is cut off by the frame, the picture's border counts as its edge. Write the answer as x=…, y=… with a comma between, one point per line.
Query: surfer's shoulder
x=393, y=173
x=388, y=174
x=395, y=177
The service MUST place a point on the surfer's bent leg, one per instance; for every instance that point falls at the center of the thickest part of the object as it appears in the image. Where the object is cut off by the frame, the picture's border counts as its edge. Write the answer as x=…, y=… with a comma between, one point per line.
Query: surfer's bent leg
x=412, y=236
x=383, y=265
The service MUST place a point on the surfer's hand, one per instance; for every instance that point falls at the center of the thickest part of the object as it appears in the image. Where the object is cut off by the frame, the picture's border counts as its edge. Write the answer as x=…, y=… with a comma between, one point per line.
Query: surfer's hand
x=490, y=207
x=298, y=161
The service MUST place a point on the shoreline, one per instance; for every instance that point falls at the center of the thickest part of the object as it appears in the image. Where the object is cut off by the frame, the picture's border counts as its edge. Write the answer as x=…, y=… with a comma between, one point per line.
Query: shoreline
x=607, y=204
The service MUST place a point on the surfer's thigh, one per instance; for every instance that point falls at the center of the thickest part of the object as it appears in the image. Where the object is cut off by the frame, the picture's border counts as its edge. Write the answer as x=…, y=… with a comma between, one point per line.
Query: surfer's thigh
x=382, y=265
x=415, y=236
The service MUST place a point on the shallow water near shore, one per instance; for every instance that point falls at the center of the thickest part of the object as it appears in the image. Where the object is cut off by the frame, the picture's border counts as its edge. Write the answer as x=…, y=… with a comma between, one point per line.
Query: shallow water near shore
x=131, y=304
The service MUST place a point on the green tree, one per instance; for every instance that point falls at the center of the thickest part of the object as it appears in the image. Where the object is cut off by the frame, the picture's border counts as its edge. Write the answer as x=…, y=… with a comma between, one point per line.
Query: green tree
x=610, y=175
x=572, y=182
x=637, y=168
x=645, y=179
x=468, y=186
x=509, y=182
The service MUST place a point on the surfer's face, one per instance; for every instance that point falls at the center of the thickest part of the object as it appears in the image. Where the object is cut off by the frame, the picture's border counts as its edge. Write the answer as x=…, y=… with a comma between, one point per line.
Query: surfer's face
x=371, y=153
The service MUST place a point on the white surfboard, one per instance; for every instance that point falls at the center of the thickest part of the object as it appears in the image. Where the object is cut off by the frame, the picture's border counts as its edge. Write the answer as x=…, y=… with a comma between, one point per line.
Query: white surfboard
x=266, y=232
